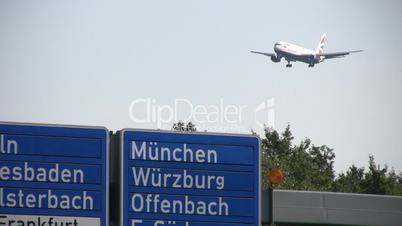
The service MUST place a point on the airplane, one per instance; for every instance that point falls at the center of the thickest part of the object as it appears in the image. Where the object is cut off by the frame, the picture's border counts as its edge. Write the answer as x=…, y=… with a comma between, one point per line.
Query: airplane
x=293, y=53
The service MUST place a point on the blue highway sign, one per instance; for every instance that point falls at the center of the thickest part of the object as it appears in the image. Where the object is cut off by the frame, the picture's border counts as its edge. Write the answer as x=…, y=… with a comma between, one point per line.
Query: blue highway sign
x=53, y=175
x=189, y=179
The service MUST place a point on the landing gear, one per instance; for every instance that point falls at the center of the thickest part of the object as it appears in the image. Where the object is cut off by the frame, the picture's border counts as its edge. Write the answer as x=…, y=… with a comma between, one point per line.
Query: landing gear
x=288, y=64
x=311, y=65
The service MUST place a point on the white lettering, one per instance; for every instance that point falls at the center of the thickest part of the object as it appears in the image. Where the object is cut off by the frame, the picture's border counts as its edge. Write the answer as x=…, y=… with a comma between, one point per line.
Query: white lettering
x=8, y=146
x=10, y=198
x=137, y=199
x=39, y=174
x=134, y=221
x=152, y=151
x=155, y=177
x=154, y=203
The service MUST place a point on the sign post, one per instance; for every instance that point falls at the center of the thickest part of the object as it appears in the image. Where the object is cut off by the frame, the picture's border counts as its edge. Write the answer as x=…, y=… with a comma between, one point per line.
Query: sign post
x=53, y=175
x=189, y=179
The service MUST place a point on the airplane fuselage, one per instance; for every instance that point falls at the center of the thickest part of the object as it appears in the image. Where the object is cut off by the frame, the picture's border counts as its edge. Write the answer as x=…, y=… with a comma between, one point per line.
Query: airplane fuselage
x=294, y=53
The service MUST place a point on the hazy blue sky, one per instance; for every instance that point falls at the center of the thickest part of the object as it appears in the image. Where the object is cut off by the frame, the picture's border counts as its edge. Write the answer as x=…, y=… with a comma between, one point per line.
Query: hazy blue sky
x=84, y=62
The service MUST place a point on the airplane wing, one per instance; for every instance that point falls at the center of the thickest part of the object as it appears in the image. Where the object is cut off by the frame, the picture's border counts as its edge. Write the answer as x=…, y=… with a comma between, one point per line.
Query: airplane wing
x=337, y=54
x=266, y=54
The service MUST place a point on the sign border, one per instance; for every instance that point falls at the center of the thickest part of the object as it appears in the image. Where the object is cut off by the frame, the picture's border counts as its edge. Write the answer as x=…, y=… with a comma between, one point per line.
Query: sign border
x=107, y=150
x=121, y=151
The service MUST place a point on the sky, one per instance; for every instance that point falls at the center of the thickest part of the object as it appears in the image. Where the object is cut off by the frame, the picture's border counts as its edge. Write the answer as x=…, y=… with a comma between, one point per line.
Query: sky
x=147, y=64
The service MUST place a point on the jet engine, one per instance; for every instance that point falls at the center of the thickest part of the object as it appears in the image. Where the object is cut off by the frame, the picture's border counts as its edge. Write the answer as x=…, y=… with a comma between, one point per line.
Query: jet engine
x=275, y=59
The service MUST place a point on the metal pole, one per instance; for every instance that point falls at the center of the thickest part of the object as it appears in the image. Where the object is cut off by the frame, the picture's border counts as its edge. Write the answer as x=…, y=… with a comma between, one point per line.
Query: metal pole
x=271, y=205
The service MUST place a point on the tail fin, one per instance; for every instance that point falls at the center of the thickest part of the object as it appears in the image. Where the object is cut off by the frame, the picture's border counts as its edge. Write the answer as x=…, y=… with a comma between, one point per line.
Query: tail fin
x=320, y=47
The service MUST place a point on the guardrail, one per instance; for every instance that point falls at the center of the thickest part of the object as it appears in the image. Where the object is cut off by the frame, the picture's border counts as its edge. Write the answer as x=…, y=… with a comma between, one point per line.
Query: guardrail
x=329, y=208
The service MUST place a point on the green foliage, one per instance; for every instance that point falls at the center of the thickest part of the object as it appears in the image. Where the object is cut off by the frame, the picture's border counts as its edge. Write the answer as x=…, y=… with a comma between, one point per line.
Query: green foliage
x=376, y=181
x=183, y=127
x=310, y=167
x=351, y=182
x=305, y=166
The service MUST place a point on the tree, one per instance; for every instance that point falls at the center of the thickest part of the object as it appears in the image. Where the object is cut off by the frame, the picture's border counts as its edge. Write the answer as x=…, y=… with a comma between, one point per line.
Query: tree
x=274, y=151
x=183, y=127
x=376, y=180
x=190, y=127
x=305, y=166
x=309, y=167
x=351, y=182
x=323, y=172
